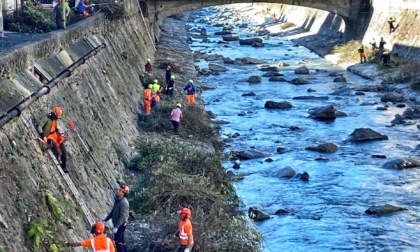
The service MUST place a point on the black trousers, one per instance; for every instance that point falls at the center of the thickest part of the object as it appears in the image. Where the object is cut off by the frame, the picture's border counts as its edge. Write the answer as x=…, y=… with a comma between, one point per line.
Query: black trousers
x=176, y=126
x=120, y=240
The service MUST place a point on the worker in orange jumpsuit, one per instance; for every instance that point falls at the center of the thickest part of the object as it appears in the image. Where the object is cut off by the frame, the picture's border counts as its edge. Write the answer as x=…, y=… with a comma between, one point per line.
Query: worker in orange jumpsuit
x=147, y=99
x=99, y=243
x=185, y=230
x=52, y=137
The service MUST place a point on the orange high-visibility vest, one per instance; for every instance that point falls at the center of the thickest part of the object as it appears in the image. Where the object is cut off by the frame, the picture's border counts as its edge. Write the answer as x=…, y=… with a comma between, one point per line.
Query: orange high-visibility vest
x=100, y=243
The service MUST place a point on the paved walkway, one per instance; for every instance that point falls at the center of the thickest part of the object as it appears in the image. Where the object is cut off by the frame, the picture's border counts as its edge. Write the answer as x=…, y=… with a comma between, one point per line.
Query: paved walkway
x=14, y=40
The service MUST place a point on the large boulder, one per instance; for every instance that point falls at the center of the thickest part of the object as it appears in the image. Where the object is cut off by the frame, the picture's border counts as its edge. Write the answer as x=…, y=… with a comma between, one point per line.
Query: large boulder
x=227, y=32
x=345, y=91
x=392, y=97
x=230, y=37
x=300, y=81
x=366, y=134
x=340, y=79
x=286, y=172
x=323, y=148
x=402, y=163
x=303, y=176
x=257, y=44
x=277, y=79
x=249, y=60
x=250, y=154
x=254, y=79
x=217, y=68
x=302, y=70
x=256, y=213
x=385, y=209
x=249, y=41
x=228, y=60
x=270, y=69
x=323, y=113
x=277, y=105
x=249, y=94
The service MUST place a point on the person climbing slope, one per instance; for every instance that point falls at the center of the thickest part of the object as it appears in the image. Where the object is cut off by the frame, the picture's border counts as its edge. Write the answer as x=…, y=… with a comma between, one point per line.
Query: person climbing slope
x=52, y=137
x=176, y=116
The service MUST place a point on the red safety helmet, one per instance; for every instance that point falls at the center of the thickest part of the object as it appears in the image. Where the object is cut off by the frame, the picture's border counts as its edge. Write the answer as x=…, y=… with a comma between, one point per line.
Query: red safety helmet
x=99, y=227
x=58, y=111
x=124, y=188
x=185, y=211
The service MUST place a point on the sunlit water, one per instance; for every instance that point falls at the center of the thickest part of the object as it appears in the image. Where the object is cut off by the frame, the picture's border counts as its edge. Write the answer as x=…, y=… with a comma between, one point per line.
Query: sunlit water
x=326, y=213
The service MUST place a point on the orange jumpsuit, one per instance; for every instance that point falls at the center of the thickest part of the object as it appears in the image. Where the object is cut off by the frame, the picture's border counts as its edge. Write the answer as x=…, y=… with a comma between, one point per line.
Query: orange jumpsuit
x=147, y=100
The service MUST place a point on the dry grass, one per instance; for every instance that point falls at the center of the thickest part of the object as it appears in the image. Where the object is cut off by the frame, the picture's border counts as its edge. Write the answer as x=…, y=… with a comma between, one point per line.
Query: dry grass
x=176, y=174
x=348, y=51
x=195, y=123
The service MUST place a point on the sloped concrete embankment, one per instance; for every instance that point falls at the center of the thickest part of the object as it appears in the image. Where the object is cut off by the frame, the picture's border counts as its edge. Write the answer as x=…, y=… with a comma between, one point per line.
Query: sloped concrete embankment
x=320, y=30
x=102, y=98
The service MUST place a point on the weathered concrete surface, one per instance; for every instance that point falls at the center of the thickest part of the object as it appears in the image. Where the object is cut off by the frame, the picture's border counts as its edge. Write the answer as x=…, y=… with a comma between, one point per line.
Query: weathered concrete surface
x=102, y=97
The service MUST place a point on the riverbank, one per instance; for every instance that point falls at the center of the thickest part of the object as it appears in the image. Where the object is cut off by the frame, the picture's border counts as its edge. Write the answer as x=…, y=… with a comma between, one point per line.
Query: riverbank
x=343, y=181
x=324, y=39
x=173, y=171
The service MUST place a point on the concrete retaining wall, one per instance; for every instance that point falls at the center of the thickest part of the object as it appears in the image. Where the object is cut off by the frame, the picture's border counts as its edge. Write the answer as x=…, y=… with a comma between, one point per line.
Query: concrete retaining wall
x=102, y=97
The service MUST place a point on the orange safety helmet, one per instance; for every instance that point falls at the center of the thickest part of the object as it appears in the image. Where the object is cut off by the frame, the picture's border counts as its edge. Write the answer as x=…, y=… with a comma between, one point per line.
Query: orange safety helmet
x=58, y=111
x=185, y=211
x=124, y=188
x=99, y=227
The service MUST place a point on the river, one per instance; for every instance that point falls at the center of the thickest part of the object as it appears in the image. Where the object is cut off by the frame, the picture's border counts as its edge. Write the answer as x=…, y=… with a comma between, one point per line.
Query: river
x=326, y=213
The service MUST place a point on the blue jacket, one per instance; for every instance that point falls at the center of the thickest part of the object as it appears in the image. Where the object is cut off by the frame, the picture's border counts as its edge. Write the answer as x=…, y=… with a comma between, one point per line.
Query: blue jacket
x=190, y=89
x=80, y=7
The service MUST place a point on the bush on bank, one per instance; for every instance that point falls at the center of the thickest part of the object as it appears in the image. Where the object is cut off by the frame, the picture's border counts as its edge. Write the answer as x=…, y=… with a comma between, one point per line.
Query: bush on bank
x=30, y=19
x=175, y=174
x=179, y=172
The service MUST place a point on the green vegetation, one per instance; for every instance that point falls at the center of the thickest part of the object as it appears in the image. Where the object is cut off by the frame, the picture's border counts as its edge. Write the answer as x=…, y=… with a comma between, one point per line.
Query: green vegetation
x=2, y=93
x=195, y=123
x=175, y=174
x=31, y=19
x=50, y=71
x=2, y=248
x=13, y=75
x=40, y=232
x=178, y=172
x=55, y=206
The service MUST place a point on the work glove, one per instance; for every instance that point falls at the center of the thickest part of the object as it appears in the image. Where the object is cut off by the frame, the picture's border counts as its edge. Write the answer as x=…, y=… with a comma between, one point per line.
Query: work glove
x=114, y=230
x=187, y=250
x=92, y=4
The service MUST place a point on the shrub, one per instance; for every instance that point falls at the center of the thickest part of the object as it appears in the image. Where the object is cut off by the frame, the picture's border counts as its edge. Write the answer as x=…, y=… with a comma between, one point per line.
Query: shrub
x=30, y=19
x=176, y=174
x=194, y=124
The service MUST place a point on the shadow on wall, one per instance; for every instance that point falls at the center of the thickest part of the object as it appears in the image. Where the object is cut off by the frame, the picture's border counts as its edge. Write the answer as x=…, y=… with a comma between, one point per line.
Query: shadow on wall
x=364, y=18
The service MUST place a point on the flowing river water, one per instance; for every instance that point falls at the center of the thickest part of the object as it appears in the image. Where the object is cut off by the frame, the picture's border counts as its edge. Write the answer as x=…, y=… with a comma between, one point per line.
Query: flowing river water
x=326, y=213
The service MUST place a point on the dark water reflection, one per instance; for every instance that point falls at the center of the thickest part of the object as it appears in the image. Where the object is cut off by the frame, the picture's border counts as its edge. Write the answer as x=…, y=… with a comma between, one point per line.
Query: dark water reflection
x=326, y=213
